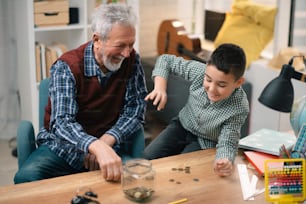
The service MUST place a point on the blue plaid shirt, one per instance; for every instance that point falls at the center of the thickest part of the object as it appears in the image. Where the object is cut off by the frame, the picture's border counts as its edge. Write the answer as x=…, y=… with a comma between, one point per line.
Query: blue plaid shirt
x=66, y=136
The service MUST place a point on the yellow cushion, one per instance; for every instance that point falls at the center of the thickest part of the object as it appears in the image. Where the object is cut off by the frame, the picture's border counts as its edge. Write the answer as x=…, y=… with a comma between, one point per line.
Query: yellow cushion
x=250, y=26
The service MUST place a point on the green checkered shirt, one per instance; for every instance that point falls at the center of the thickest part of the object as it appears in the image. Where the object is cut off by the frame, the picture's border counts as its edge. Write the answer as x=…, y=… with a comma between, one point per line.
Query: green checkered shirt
x=217, y=124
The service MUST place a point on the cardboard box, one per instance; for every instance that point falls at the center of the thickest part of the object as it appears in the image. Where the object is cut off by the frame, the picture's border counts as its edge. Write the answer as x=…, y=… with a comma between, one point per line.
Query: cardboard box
x=51, y=13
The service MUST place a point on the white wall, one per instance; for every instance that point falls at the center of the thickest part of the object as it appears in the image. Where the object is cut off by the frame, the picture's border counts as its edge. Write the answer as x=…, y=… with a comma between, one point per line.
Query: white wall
x=3, y=91
x=153, y=12
x=9, y=107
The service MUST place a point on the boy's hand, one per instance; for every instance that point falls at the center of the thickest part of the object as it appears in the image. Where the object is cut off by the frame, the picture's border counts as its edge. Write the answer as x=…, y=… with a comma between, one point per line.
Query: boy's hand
x=158, y=97
x=159, y=93
x=223, y=167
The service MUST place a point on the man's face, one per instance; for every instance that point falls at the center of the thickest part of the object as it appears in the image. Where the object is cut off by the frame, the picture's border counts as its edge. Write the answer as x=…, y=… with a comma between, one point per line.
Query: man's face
x=118, y=46
x=219, y=85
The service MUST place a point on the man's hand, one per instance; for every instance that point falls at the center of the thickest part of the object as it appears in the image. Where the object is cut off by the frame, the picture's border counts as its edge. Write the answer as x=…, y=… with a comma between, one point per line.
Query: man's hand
x=91, y=162
x=108, y=161
x=223, y=167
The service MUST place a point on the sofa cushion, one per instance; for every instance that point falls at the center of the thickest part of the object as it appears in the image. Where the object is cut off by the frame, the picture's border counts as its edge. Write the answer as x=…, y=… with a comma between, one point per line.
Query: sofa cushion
x=250, y=26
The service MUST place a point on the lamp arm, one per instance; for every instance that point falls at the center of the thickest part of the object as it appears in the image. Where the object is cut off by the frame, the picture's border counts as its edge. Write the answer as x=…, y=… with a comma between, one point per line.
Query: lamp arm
x=295, y=74
x=299, y=76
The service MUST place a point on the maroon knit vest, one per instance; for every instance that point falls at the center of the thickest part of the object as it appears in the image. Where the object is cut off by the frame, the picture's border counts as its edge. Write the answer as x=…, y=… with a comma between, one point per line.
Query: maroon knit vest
x=99, y=107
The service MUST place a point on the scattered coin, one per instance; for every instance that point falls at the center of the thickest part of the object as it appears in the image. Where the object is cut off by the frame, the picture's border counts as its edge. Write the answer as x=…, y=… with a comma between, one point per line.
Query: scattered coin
x=186, y=169
x=196, y=179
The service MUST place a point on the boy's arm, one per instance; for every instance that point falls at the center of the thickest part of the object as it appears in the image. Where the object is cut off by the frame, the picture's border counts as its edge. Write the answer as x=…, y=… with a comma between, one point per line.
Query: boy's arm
x=165, y=65
x=170, y=64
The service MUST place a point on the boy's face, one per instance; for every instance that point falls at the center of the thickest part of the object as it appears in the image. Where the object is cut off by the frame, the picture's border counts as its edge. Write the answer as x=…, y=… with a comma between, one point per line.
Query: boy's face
x=219, y=85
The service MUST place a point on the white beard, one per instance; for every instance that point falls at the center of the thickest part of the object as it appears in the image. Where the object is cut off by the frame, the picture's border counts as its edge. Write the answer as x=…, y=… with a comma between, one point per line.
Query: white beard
x=112, y=67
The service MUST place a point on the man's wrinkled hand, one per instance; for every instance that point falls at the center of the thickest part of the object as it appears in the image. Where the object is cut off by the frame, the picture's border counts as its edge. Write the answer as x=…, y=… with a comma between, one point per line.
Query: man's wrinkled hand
x=110, y=163
x=91, y=163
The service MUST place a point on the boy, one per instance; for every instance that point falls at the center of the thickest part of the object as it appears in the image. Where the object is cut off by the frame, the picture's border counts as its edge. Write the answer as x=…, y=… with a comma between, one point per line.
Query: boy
x=215, y=111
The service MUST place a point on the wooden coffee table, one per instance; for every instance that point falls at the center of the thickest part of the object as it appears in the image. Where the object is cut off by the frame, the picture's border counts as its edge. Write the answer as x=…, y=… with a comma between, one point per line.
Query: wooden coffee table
x=172, y=182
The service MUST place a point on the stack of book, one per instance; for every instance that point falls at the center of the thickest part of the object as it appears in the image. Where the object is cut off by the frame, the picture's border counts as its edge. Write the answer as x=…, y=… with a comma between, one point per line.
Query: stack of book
x=46, y=55
x=265, y=144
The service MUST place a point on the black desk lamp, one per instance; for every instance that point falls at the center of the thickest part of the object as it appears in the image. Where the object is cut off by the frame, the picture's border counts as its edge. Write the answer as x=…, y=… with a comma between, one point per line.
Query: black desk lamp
x=279, y=94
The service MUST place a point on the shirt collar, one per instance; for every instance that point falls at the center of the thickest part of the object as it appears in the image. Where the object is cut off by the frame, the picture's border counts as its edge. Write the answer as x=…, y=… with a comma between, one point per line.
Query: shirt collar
x=90, y=65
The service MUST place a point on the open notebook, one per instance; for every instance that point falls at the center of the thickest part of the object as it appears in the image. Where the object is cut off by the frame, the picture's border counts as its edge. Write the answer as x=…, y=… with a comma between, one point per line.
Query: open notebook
x=267, y=141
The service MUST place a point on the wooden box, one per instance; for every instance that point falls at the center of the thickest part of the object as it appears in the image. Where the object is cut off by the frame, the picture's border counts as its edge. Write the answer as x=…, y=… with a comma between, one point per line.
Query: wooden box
x=51, y=13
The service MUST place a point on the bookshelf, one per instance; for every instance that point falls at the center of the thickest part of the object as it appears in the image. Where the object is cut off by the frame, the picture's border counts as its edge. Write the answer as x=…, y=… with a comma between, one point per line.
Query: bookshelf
x=27, y=34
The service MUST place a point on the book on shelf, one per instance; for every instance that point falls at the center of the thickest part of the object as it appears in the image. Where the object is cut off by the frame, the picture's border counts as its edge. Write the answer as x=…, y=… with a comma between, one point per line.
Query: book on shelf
x=46, y=55
x=43, y=60
x=51, y=57
x=267, y=141
x=38, y=62
x=60, y=48
x=257, y=160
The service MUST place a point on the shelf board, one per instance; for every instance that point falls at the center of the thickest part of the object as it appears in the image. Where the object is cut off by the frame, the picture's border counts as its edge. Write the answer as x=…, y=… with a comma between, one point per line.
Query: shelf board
x=57, y=28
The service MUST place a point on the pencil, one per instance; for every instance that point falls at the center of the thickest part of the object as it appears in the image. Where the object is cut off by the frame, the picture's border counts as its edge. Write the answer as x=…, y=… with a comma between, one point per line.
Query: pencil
x=179, y=201
x=286, y=151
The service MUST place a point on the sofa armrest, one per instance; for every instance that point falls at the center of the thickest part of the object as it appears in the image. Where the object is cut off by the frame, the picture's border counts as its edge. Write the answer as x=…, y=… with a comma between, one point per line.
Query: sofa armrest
x=25, y=141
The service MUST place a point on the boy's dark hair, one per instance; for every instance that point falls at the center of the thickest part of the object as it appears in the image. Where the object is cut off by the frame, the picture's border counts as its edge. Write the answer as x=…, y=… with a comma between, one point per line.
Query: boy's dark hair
x=229, y=58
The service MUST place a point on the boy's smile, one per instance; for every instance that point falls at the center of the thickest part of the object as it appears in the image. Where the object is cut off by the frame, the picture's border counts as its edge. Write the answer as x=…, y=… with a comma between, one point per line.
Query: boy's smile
x=219, y=85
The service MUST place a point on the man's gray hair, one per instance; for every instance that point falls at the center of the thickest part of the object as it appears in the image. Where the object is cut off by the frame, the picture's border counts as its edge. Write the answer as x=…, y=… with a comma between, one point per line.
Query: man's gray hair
x=106, y=15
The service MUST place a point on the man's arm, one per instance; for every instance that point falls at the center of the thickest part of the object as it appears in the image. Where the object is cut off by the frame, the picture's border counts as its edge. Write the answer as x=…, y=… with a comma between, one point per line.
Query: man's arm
x=63, y=122
x=133, y=113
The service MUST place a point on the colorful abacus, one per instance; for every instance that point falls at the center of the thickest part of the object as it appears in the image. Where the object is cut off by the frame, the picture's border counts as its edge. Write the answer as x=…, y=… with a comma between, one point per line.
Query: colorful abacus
x=285, y=180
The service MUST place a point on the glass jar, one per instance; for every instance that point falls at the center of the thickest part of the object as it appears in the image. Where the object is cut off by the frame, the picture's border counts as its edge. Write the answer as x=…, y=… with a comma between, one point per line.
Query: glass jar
x=138, y=179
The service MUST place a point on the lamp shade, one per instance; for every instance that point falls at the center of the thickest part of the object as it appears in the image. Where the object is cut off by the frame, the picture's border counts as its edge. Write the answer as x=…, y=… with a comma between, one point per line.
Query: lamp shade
x=278, y=95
